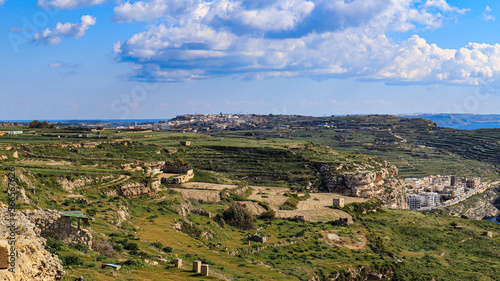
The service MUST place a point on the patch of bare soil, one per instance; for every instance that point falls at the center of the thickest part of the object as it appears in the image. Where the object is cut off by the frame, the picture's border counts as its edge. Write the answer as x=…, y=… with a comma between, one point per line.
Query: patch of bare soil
x=350, y=241
x=253, y=207
x=47, y=162
x=205, y=185
x=196, y=194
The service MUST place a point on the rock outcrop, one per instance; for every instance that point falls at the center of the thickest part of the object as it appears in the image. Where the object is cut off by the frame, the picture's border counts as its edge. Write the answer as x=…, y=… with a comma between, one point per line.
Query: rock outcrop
x=477, y=207
x=130, y=190
x=33, y=261
x=133, y=190
x=381, y=184
x=52, y=224
x=69, y=185
x=122, y=215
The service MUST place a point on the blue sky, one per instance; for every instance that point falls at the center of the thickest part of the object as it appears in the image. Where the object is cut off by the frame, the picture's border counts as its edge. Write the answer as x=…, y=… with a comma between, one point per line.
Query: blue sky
x=110, y=59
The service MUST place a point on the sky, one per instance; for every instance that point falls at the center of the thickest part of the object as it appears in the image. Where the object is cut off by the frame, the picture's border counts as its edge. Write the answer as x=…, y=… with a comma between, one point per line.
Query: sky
x=117, y=59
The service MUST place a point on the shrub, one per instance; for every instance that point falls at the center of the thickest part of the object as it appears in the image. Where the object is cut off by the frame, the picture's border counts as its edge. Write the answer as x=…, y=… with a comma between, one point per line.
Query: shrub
x=102, y=246
x=55, y=245
x=68, y=260
x=134, y=263
x=268, y=215
x=238, y=216
x=157, y=245
x=168, y=249
x=80, y=247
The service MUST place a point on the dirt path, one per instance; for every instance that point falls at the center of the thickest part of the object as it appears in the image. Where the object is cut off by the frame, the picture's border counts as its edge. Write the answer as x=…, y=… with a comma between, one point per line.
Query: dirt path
x=118, y=180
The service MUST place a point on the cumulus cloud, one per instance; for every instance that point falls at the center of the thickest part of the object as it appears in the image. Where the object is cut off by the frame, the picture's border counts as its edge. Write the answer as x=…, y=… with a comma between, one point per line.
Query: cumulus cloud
x=68, y=4
x=58, y=64
x=72, y=30
x=196, y=39
x=486, y=15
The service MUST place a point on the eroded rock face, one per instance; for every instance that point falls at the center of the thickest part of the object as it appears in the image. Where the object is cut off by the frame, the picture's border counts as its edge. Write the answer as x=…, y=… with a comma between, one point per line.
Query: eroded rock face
x=478, y=208
x=380, y=184
x=33, y=262
x=122, y=215
x=52, y=224
x=133, y=190
x=71, y=185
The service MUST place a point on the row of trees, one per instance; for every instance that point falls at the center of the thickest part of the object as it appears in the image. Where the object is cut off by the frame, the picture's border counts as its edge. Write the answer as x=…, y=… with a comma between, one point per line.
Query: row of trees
x=44, y=124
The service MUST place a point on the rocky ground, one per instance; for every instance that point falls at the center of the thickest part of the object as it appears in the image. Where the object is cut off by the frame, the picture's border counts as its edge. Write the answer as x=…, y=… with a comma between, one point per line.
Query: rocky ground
x=33, y=261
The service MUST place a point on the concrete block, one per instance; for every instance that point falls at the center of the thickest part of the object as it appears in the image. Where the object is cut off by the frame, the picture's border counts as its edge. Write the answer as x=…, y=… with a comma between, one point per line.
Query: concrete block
x=197, y=266
x=178, y=263
x=204, y=270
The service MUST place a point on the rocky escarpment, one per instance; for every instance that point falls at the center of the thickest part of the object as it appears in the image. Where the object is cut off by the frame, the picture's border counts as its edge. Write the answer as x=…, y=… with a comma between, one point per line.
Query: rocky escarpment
x=130, y=190
x=478, y=206
x=33, y=261
x=380, y=184
x=52, y=224
x=70, y=185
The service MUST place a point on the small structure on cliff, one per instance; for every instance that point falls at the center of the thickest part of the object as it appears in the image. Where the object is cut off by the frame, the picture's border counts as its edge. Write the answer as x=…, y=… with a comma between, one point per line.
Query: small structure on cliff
x=67, y=215
x=185, y=143
x=338, y=202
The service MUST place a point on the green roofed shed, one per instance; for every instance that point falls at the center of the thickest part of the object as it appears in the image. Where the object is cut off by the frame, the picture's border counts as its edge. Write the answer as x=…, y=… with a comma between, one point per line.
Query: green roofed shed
x=76, y=214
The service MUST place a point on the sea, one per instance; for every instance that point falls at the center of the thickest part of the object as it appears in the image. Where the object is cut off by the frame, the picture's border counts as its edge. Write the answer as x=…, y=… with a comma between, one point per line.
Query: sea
x=94, y=121
x=474, y=126
x=495, y=219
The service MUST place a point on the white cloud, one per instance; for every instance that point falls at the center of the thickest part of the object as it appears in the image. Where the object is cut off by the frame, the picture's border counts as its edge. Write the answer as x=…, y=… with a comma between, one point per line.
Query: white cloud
x=297, y=38
x=72, y=30
x=486, y=14
x=444, y=6
x=2, y=2
x=69, y=4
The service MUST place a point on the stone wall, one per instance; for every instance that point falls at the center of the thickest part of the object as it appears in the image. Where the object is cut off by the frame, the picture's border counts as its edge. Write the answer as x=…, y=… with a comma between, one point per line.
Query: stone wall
x=52, y=224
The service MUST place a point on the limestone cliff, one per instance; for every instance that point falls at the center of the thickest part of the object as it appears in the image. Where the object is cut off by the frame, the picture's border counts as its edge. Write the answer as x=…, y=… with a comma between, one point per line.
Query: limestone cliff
x=33, y=261
x=381, y=184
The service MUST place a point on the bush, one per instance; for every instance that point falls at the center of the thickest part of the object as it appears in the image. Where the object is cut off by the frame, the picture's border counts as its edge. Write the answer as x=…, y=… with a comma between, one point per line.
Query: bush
x=102, y=246
x=55, y=245
x=68, y=260
x=157, y=245
x=133, y=263
x=80, y=247
x=268, y=215
x=238, y=216
x=168, y=249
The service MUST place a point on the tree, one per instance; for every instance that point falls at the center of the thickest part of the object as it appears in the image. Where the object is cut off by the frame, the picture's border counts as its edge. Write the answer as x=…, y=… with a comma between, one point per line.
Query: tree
x=239, y=216
x=44, y=124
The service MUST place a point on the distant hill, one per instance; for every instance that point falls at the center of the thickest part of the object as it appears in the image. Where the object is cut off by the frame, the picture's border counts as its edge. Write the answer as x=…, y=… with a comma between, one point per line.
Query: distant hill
x=461, y=121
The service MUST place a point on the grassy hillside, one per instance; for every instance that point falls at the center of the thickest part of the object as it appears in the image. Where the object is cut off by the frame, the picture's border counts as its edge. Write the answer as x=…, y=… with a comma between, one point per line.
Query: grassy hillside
x=402, y=245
